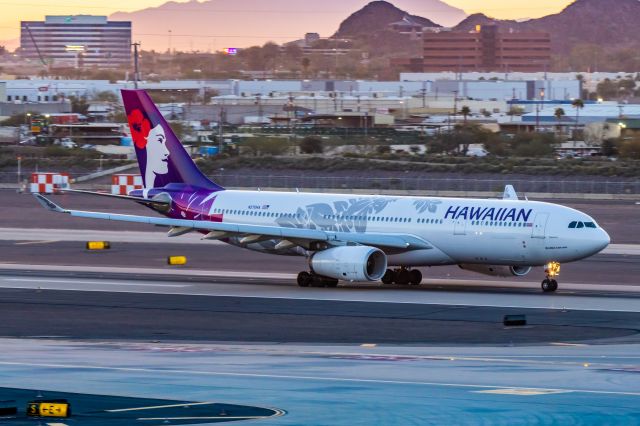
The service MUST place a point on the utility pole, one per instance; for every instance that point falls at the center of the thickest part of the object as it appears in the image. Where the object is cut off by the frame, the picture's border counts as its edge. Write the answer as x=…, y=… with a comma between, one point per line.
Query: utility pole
x=136, y=72
x=19, y=173
x=220, y=129
x=455, y=102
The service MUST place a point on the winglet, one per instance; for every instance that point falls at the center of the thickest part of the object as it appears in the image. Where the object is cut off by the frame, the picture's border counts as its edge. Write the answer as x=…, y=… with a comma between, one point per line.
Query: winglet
x=48, y=204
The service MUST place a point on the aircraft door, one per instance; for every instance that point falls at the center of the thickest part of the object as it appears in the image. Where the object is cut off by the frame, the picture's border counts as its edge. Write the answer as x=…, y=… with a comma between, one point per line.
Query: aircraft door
x=540, y=225
x=460, y=227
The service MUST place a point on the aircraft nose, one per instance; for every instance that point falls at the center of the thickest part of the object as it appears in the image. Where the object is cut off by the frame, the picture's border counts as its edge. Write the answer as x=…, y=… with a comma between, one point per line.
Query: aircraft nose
x=601, y=241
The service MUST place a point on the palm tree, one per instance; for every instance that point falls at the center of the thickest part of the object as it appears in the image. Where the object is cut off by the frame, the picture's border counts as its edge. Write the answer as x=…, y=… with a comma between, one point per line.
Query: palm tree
x=578, y=104
x=465, y=111
x=559, y=114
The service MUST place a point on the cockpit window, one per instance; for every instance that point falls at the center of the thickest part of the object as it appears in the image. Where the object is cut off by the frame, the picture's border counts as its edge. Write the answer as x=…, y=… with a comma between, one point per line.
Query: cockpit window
x=580, y=225
x=572, y=225
x=590, y=225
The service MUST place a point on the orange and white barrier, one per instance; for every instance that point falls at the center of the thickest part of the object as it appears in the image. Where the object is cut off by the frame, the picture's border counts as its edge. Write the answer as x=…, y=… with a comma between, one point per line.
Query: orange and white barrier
x=49, y=183
x=123, y=184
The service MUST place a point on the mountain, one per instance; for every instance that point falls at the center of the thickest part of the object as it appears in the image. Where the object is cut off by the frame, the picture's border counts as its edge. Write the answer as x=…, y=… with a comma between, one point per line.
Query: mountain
x=599, y=22
x=376, y=16
x=216, y=24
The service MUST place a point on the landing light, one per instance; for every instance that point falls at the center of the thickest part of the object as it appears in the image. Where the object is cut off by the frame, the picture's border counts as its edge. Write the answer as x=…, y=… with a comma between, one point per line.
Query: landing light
x=552, y=269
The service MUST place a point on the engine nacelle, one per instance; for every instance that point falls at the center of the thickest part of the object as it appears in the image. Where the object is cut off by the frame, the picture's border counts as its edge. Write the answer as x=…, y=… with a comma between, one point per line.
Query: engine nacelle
x=350, y=263
x=498, y=270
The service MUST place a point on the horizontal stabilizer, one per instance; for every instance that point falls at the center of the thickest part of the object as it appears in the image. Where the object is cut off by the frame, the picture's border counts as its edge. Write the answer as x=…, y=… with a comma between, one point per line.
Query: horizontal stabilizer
x=122, y=197
x=48, y=204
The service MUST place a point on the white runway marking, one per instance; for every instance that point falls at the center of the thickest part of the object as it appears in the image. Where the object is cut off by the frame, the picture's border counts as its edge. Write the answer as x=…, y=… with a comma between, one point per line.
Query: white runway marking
x=160, y=372
x=25, y=243
x=74, y=281
x=187, y=404
x=522, y=392
x=205, y=418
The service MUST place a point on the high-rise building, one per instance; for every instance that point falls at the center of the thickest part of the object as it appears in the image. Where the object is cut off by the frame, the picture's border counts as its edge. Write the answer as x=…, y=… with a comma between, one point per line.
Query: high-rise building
x=80, y=41
x=486, y=49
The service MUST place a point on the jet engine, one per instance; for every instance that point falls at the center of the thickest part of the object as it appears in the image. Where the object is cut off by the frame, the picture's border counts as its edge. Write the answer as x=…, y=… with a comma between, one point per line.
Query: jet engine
x=498, y=270
x=350, y=263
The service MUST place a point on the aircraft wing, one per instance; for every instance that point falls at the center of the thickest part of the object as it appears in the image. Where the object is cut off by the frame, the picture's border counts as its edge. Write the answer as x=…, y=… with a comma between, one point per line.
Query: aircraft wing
x=381, y=240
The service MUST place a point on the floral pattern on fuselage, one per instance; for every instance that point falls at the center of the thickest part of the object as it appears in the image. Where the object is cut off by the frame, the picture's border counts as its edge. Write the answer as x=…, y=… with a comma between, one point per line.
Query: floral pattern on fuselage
x=340, y=216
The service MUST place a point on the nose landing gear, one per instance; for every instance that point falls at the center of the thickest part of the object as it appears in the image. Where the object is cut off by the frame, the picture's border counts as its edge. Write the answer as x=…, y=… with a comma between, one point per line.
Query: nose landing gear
x=549, y=284
x=402, y=276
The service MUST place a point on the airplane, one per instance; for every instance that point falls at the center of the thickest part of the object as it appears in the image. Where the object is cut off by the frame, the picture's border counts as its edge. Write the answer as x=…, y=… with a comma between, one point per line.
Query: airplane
x=353, y=238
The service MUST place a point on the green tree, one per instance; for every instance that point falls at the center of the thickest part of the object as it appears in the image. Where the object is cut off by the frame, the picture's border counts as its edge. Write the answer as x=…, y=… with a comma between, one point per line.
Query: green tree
x=465, y=111
x=607, y=89
x=578, y=104
x=180, y=129
x=559, y=114
x=533, y=144
x=79, y=105
x=106, y=96
x=626, y=87
x=17, y=119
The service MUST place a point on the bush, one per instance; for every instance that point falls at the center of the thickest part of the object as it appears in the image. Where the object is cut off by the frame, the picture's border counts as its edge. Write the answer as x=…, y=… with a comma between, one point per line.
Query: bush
x=311, y=145
x=630, y=149
x=266, y=146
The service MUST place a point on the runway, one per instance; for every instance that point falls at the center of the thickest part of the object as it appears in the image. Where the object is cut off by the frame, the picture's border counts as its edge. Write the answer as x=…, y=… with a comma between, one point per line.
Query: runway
x=276, y=310
x=348, y=384
x=233, y=327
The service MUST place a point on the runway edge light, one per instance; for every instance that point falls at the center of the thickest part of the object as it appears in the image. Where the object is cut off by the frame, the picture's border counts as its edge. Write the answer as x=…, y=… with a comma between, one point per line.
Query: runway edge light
x=514, y=320
x=98, y=245
x=177, y=260
x=8, y=407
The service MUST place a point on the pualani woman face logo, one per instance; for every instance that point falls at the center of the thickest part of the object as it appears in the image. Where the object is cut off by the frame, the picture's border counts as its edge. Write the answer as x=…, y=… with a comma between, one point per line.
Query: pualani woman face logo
x=153, y=141
x=157, y=156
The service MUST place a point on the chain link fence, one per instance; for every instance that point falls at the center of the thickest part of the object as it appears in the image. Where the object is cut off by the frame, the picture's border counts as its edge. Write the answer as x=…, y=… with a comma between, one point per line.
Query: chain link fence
x=430, y=184
x=407, y=183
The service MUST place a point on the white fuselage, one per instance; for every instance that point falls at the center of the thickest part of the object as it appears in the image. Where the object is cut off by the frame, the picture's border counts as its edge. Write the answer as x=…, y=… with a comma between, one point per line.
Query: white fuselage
x=469, y=231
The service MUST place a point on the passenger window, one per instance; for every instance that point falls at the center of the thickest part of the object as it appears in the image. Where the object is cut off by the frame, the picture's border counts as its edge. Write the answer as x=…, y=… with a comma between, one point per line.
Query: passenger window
x=572, y=225
x=580, y=225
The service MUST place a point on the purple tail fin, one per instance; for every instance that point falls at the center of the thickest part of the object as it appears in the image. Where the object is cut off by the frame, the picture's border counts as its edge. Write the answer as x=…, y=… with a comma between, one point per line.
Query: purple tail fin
x=161, y=156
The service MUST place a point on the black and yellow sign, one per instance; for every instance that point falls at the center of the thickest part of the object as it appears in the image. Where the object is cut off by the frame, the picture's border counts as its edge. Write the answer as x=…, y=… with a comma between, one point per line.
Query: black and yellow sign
x=48, y=409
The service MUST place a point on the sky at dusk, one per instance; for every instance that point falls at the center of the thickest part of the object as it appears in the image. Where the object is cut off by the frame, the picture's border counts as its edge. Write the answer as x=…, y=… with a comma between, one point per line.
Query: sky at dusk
x=15, y=10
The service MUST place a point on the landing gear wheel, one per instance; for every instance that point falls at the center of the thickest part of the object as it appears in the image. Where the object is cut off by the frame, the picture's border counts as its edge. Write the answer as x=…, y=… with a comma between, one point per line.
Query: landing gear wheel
x=548, y=286
x=388, y=277
x=415, y=277
x=402, y=277
x=330, y=282
x=304, y=279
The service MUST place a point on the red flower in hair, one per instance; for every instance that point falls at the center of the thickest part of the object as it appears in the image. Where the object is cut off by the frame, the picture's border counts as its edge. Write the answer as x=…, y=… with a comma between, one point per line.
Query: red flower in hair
x=140, y=128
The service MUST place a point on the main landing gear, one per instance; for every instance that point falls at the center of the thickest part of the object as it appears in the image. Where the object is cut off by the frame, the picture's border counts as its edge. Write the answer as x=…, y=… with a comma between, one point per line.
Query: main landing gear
x=308, y=279
x=549, y=284
x=402, y=276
